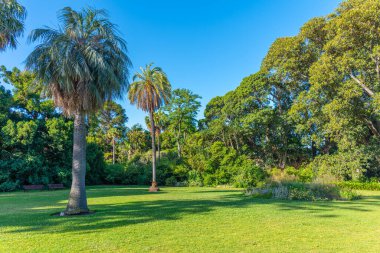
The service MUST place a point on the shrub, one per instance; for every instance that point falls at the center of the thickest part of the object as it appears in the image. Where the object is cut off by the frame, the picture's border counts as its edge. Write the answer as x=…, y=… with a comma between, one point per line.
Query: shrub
x=8, y=186
x=209, y=180
x=348, y=165
x=370, y=186
x=249, y=176
x=171, y=181
x=133, y=174
x=348, y=194
x=195, y=178
x=306, y=174
x=115, y=173
x=325, y=191
x=95, y=164
x=304, y=191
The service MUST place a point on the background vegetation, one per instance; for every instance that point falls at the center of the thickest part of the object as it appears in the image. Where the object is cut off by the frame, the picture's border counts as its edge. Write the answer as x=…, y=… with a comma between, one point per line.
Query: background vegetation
x=310, y=113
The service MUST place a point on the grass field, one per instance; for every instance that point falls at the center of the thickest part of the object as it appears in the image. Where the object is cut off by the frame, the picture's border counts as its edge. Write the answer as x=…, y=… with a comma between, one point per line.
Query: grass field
x=129, y=219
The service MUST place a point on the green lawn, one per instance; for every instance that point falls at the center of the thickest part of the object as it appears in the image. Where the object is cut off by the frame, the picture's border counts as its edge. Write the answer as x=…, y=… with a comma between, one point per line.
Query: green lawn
x=129, y=219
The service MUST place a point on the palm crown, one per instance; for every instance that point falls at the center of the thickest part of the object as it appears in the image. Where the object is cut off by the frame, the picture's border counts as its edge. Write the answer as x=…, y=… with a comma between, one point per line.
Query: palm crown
x=12, y=16
x=83, y=63
x=150, y=89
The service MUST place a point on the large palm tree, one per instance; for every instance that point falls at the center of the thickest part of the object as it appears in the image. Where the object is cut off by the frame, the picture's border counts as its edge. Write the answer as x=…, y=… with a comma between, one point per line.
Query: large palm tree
x=12, y=16
x=83, y=64
x=149, y=91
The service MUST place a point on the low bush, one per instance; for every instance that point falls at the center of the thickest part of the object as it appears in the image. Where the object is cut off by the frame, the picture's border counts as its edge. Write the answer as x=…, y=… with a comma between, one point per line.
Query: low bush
x=171, y=181
x=8, y=186
x=348, y=194
x=249, y=176
x=115, y=173
x=303, y=191
x=370, y=186
x=195, y=178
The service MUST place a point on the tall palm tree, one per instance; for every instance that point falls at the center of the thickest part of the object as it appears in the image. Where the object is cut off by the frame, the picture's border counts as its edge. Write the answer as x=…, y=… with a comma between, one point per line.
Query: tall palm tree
x=149, y=91
x=82, y=64
x=12, y=16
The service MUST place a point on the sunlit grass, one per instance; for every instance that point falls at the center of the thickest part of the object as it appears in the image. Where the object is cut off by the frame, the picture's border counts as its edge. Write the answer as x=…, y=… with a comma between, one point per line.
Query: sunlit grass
x=129, y=219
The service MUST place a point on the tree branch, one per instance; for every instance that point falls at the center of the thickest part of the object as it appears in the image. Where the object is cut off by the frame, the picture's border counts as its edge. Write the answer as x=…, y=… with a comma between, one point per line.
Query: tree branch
x=365, y=87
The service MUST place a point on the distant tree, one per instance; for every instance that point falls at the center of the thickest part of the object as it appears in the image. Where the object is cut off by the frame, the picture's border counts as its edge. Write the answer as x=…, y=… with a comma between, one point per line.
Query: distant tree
x=182, y=112
x=108, y=126
x=81, y=65
x=27, y=94
x=137, y=140
x=161, y=121
x=149, y=91
x=12, y=17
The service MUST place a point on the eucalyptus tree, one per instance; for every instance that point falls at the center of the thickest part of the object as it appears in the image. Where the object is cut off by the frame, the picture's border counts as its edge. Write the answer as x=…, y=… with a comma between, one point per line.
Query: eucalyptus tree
x=150, y=90
x=82, y=64
x=12, y=17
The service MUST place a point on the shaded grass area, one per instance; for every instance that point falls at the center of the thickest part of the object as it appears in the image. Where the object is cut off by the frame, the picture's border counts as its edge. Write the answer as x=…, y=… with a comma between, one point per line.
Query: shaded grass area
x=130, y=219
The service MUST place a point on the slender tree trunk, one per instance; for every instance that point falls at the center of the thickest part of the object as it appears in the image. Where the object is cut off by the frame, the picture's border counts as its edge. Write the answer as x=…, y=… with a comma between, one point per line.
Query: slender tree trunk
x=178, y=142
x=153, y=133
x=237, y=143
x=78, y=199
x=113, y=150
x=313, y=149
x=178, y=148
x=159, y=145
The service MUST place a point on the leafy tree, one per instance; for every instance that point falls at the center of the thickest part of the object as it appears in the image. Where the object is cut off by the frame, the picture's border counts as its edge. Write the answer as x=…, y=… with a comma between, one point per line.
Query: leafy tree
x=138, y=139
x=108, y=126
x=149, y=91
x=5, y=105
x=28, y=94
x=12, y=16
x=161, y=121
x=81, y=65
x=182, y=112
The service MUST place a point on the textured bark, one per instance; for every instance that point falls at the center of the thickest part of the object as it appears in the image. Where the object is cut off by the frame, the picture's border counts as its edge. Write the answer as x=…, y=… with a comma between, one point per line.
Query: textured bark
x=78, y=199
x=159, y=145
x=153, y=133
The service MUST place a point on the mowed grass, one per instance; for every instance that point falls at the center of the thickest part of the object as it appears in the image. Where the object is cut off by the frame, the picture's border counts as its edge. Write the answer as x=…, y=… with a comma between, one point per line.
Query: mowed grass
x=130, y=219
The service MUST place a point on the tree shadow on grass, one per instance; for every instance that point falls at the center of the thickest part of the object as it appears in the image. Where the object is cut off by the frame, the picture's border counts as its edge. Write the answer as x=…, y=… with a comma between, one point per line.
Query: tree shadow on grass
x=108, y=216
x=115, y=215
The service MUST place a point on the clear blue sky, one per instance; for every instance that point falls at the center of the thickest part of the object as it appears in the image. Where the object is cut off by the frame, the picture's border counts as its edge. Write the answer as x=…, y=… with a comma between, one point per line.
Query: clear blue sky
x=207, y=46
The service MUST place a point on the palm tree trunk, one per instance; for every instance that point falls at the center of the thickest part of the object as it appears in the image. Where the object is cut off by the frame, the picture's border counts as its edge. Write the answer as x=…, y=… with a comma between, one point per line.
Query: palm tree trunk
x=153, y=133
x=159, y=145
x=78, y=199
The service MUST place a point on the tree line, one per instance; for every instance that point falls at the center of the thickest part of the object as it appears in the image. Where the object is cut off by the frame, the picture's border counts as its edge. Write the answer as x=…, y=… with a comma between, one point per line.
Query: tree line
x=311, y=109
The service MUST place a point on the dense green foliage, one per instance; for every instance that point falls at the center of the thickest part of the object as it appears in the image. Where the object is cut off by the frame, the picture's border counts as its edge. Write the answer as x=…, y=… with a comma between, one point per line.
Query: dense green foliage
x=312, y=106
x=310, y=112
